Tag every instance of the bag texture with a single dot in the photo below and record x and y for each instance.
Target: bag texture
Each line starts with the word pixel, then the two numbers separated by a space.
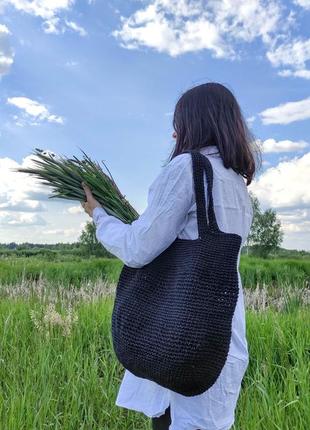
pixel 171 319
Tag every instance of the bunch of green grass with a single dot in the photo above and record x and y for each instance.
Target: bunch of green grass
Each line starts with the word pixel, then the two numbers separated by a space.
pixel 65 176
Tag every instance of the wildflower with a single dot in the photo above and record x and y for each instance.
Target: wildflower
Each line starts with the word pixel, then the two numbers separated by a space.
pixel 51 318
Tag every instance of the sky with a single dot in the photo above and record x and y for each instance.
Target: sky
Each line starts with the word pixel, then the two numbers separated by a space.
pixel 104 76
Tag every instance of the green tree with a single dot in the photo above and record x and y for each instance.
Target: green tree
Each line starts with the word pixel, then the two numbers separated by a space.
pixel 266 234
pixel 89 242
pixel 252 237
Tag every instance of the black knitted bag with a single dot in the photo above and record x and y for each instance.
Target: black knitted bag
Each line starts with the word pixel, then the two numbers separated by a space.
pixel 171 319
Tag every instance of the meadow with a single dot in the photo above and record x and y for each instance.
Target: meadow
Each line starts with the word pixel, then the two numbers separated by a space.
pixel 58 369
pixel 75 270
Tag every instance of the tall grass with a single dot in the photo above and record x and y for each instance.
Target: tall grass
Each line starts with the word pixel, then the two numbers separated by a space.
pixel 254 271
pixel 71 382
pixel 276 390
pixel 274 271
pixel 59 372
pixel 15 270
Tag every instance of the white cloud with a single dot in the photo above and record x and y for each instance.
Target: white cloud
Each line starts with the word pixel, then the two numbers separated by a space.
pixel 285 185
pixel 296 227
pixel 52 25
pixel 285 188
pixel 21 219
pixel 271 145
pixel 50 11
pixel 24 200
pixel 251 119
pixel 33 112
pixel 6 51
pixel 179 26
pixel 75 210
pixel 45 9
pixel 286 113
pixel 176 27
pixel 20 191
pixel 284 158
pixel 75 27
pixel 292 53
pixel 15 203
pixel 296 222
pixel 71 63
pixel 300 73
pixel 295 52
pixel 303 3
pixel 67 232
pixel 20 206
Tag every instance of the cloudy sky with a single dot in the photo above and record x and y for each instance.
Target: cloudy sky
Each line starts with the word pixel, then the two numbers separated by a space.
pixel 104 76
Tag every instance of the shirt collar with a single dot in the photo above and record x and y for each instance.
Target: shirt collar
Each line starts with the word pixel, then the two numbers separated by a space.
pixel 210 149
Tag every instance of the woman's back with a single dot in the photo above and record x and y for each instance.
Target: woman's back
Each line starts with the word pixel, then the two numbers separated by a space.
pixel 233 211
pixel 232 204
pixel 171 212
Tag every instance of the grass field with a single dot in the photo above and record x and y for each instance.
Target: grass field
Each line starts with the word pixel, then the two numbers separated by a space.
pixel 271 272
pixel 58 369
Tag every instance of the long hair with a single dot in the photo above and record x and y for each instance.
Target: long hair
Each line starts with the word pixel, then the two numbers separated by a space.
pixel 209 114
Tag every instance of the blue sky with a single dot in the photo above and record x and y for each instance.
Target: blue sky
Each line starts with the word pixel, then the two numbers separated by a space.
pixel 105 76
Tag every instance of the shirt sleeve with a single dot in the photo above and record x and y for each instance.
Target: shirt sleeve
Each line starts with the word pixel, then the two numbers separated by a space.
pixel 170 197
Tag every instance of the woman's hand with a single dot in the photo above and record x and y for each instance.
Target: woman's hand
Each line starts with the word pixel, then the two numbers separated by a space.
pixel 91 203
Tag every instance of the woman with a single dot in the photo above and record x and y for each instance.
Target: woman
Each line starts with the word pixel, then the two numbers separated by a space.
pixel 207 117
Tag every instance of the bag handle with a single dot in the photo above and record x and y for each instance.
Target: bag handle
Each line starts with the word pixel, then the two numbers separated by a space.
pixel 202 164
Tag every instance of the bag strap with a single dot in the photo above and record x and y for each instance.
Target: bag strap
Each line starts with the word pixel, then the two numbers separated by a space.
pixel 202 164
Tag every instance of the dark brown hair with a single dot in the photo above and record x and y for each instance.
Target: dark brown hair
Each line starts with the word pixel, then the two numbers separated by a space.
pixel 209 114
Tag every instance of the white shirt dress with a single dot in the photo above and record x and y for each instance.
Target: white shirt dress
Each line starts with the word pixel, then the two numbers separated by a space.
pixel 170 213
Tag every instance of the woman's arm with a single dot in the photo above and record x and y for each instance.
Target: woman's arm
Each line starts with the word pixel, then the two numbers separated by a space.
pixel 170 197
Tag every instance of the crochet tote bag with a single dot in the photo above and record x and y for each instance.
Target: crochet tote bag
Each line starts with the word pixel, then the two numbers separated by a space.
pixel 171 319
